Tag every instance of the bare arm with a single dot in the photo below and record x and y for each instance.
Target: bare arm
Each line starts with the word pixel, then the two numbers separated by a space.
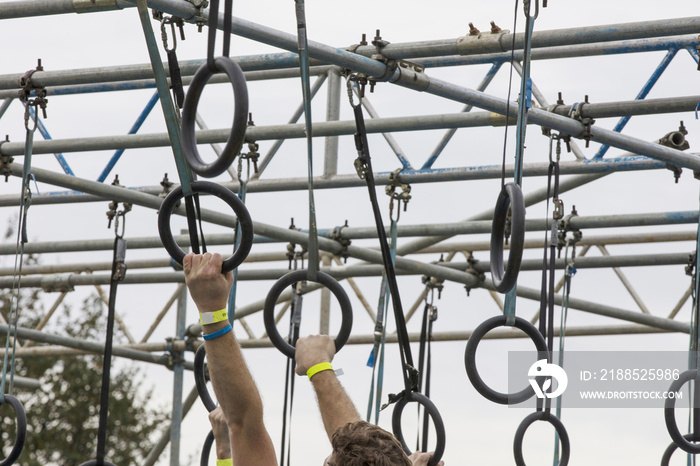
pixel 337 409
pixel 233 384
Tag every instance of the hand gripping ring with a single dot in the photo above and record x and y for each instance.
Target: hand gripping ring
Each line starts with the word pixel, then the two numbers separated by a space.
pixel 434 414
pixel 541 416
pixel 226 195
pixel 672 448
pixel 240 118
pixel 21 430
pixel 298 276
pixel 670 414
pixel 470 359
pixel 206 449
pixel 201 381
pixel 512 196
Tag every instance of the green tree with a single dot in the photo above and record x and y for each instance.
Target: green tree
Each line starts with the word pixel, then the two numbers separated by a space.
pixel 63 414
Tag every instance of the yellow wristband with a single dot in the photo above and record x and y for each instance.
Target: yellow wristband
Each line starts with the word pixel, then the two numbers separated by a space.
pixel 313 370
pixel 226 462
pixel 207 318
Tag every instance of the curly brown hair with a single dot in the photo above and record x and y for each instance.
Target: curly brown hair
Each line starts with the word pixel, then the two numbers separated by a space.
pixel 363 444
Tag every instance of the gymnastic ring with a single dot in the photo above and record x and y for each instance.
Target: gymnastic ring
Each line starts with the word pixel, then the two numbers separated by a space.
pixel 21 430
pixel 206 449
pixel 226 195
pixel 299 276
pixel 672 448
pixel 434 414
pixel 558 426
pixel 200 379
pixel 512 196
pixel 240 117
pixel 670 415
pixel 470 359
pixel 94 463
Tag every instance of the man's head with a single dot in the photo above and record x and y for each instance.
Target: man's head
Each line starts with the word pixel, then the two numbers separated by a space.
pixel 363 444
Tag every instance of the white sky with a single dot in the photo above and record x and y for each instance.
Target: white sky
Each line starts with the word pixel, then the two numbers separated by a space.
pixel 478 432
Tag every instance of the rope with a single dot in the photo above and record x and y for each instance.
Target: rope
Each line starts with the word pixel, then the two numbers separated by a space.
pixel 294 324
pixel 237 239
pixel 302 40
pixel 424 365
pixel 376 357
pixel 569 272
pixel 22 238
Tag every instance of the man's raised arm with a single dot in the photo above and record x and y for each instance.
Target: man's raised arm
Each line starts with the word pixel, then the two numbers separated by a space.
pixel 233 384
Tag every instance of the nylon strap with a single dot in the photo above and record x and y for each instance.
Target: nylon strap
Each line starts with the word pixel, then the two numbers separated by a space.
pixel 364 162
pixel 303 45
pixel 171 122
pixel 118 273
pixel 524 103
pixel 546 321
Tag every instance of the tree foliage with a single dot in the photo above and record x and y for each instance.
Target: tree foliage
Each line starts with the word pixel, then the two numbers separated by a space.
pixel 63 414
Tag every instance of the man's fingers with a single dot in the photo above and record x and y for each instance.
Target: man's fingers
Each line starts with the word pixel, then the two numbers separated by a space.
pixel 187 263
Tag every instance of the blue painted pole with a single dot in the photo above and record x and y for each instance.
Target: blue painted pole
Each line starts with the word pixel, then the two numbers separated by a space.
pixel 134 129
pixel 694 53
pixel 490 74
pixel 642 95
pixel 45 134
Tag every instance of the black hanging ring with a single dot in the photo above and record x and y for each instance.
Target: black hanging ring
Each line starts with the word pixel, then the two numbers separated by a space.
pixel 240 118
pixel 470 359
pixel 432 411
pixel 200 379
pixel 226 195
pixel 21 416
pixel 558 426
pixel 672 448
pixel 298 276
pixel 94 463
pixel 206 449
pixel 512 196
pixel 670 414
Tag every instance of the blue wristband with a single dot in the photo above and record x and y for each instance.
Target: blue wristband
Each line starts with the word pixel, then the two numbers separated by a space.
pixel 218 333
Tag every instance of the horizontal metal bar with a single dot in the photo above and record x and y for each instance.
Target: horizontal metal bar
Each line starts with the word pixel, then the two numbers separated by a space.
pixel 587 240
pixel 368 339
pixel 74 246
pixel 621 164
pixel 568 51
pixel 93 347
pixel 105 83
pixel 284 234
pixel 62 282
pixel 339 128
pixel 603 310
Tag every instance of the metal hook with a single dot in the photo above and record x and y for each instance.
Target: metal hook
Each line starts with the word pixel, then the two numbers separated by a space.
pixel 164 33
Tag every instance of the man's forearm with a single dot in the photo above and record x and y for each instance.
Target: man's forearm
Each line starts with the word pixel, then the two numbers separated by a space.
pixel 337 409
pixel 233 384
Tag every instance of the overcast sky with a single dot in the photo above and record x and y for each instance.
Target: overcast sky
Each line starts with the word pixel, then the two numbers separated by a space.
pixel 479 432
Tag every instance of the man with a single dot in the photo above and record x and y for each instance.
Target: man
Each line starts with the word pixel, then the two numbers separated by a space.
pixel 354 441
